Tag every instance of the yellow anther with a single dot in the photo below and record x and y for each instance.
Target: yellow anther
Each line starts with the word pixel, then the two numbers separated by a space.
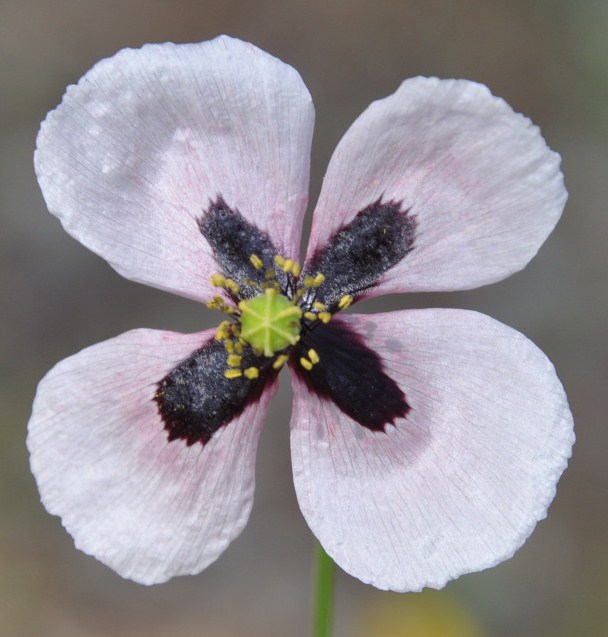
pixel 286 267
pixel 296 269
pixel 314 357
pixel 215 303
pixel 280 361
pixel 269 274
pixel 229 345
pixel 308 281
pixel 306 364
pixel 299 294
pixel 319 306
pixel 324 317
pixel 318 280
pixel 229 284
pixel 279 260
pixel 238 347
pixel 234 360
pixel 252 372
pixel 223 331
pixel 233 373
pixel 311 316
pixel 218 280
pixel 256 262
pixel 345 301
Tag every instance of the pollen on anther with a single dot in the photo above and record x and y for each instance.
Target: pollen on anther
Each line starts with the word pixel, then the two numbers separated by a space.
pixel 325 317
pixel 345 301
pixel 232 286
pixel 280 361
pixel 318 280
pixel 313 356
pixel 296 269
pixel 234 360
pixel 233 373
pixel 252 372
pixel 306 364
pixel 218 280
pixel 279 260
pixel 256 262
pixel 311 316
pixel 223 331
pixel 319 306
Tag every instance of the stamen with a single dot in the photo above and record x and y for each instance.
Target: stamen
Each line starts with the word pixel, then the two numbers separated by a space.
pixel 279 260
pixel 229 284
pixel 224 330
pixel 280 361
pixel 218 280
pixel 233 373
pixel 319 306
pixel 311 316
pixel 229 345
pixel 252 372
pixel 256 262
pixel 324 317
pixel 318 280
pixel 345 301
pixel 314 357
pixel 234 360
pixel 286 267
pixel 306 364
pixel 296 269
pixel 215 303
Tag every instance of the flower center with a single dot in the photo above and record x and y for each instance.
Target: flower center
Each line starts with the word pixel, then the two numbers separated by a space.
pixel 270 322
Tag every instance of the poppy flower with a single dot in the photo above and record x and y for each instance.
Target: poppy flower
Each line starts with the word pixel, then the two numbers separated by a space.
pixel 425 443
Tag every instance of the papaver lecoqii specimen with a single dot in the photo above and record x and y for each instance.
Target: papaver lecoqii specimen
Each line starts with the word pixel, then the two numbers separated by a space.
pixel 425 443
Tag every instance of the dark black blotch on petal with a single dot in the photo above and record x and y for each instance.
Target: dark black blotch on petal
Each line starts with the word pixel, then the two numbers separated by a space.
pixel 360 252
pixel 350 374
pixel 195 399
pixel 233 240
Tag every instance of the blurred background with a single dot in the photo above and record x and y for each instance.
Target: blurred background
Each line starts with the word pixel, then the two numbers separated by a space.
pixel 549 60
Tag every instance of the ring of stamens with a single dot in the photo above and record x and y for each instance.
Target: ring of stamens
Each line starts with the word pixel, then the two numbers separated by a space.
pixel 271 321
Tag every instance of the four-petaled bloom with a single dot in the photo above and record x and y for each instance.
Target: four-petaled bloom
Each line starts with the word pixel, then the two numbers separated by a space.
pixel 425 443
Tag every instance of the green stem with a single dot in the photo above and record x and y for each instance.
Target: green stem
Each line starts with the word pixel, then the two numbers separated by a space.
pixel 324 594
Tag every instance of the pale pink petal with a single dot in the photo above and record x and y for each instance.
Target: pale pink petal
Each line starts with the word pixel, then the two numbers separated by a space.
pixel 138 149
pixel 148 508
pixel 456 486
pixel 483 186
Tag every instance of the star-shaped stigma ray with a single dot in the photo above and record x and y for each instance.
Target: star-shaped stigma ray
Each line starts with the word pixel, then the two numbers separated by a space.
pixel 425 443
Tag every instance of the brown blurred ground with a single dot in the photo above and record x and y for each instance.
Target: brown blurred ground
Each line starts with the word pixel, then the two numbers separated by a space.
pixel 549 59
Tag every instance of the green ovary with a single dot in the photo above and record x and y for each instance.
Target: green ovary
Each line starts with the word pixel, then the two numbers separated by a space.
pixel 270 322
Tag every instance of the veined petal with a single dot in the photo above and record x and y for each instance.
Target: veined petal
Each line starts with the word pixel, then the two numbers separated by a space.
pixel 484 189
pixel 149 138
pixel 459 483
pixel 148 508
